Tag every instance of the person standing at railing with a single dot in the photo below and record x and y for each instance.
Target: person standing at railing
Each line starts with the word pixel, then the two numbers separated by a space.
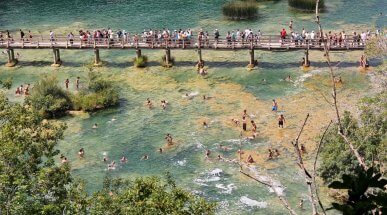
pixel 22 35
pixel 291 25
pixel 70 36
pixel 363 37
pixel 283 35
pixel 312 37
pixel 29 36
pixel 216 35
pixel 52 37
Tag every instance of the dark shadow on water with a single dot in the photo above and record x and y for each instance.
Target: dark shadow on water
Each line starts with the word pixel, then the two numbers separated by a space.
pixel 212 64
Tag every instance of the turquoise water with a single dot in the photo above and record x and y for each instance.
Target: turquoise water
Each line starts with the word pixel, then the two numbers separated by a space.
pixel 138 130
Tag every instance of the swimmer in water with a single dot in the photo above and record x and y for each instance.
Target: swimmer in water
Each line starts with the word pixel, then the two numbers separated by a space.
pixel 124 159
pixel 288 78
pixel 301 203
pixel 149 103
pixel 95 126
pixel 164 104
pixel 250 159
pixel 270 154
pixel 112 165
pixel 64 160
pixel 145 157
pixel 105 158
pixel 263 81
pixel 169 139
pixel 302 148
pixel 205 124
pixel 208 152
pixel 235 121
pixel 220 157
pixel 81 153
pixel 277 154
pixel 161 150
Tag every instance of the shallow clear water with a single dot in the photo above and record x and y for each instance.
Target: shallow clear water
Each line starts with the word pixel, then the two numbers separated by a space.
pixel 138 130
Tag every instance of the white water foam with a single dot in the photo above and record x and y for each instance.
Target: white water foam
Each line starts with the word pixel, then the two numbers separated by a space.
pixel 226 189
pixel 252 203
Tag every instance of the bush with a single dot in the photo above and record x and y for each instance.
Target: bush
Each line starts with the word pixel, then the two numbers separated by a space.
pixel 140 62
pixel 240 9
pixel 49 99
pixel 307 5
pixel 100 94
pixel 7 83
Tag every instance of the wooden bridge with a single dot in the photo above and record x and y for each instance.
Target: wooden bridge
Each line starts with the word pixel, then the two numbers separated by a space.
pixel 264 43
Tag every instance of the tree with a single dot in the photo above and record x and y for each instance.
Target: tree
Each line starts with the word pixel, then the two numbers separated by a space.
pixel 361 200
pixel 49 99
pixel 30 182
pixel 368 134
pixel 146 196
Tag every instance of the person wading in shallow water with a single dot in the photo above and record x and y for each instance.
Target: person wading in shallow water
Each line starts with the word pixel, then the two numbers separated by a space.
pixel 67 83
pixel 281 121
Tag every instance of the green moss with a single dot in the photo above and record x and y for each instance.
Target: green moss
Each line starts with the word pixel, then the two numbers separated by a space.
pixel 307 5
pixel 240 9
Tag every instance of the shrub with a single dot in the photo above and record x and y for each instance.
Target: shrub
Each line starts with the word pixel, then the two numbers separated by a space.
pixel 140 62
pixel 240 9
pixel 307 5
pixel 100 93
pixel 7 83
pixel 49 99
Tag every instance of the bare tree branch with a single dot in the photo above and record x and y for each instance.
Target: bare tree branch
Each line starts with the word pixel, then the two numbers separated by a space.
pixel 314 167
pixel 283 200
pixel 359 158
pixel 307 176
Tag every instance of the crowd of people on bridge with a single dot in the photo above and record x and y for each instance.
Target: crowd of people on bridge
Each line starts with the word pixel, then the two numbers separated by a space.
pixel 203 38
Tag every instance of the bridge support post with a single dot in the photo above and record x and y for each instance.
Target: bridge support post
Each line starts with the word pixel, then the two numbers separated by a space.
pixel 306 62
pixel 12 61
pixel 97 60
pixel 252 62
pixel 167 61
pixel 56 55
pixel 200 63
pixel 138 53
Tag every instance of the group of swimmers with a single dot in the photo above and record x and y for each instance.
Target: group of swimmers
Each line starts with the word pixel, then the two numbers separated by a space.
pixel 23 91
pixel 77 82
pixel 149 103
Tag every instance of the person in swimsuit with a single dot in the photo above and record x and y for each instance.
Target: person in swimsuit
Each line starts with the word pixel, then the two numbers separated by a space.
pixel 275 106
pixel 277 154
pixel 208 152
pixel 145 157
pixel 95 126
pixel 250 159
pixel 281 121
pixel 81 153
pixel 235 121
pixel 302 148
pixel 67 83
pixel 205 125
pixel 244 113
pixel 124 159
pixel 244 124
pixel 164 104
pixel 149 103
pixel 169 139
pixel 77 83
pixel 161 150
pixel 270 154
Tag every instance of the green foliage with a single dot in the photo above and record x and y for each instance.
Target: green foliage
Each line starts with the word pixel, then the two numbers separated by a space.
pixel 48 98
pixel 30 182
pixel 146 196
pixel 99 94
pixel 240 9
pixel 360 199
pixel 376 47
pixel 7 83
pixel 307 5
pixel 140 62
pixel 368 134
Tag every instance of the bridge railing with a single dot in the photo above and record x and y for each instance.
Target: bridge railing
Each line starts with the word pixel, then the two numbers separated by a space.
pixel 264 41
